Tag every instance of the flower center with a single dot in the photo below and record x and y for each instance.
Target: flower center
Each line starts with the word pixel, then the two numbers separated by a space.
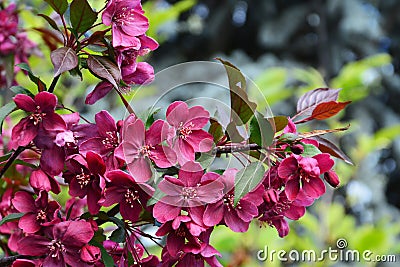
pixel 56 248
pixel 83 179
pixel 124 16
pixel 41 216
pixel 229 201
pixel 180 232
pixel 37 117
pixel 184 131
pixel 146 150
pixel 131 196
pixel 189 193
pixel 110 141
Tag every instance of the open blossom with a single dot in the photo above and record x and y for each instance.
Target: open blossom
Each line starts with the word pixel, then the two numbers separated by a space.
pixel 304 172
pixel 188 136
pixel 61 244
pixel 127 21
pixel 40 180
pixel 106 142
pixel 192 189
pixel 38 212
pixel 237 217
pixel 85 178
pixel 140 147
pixel 123 189
pixel 277 206
pixel 42 116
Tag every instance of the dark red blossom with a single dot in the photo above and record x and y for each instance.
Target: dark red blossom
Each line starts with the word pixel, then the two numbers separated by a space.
pixel 85 178
pixel 131 196
pixel 236 217
pixel 302 172
pixel 39 212
pixel 188 136
pixel 61 244
pixel 42 117
pixel 192 189
pixel 140 147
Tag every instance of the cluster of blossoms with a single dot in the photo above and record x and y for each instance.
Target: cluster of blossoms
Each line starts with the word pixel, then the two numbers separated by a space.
pixel 141 171
pixel 13 42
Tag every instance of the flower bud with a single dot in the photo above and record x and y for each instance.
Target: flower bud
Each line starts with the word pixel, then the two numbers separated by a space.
pixel 297 149
pixel 332 178
pixel 271 196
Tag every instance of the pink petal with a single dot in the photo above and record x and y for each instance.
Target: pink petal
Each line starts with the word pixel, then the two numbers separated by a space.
pixel 53 122
pixel 122 40
pixel 295 212
pixel 177 112
pixel 39 180
pixel 46 101
pixel 105 122
pixel 314 188
pixel 74 233
pixel 171 186
pixel 184 151
pixel 112 195
pixel 95 163
pixel 213 214
pixel 34 245
pixel 136 27
pixel 235 223
pixel 164 212
pixel 163 156
pixel 25 102
pixel 325 162
pixel 23 202
pixel 130 213
pixel 144 74
pixel 28 223
pixel 140 169
pixel 288 167
pixel 191 173
pixel 120 178
pixel 292 188
pixel 156 133
pixel 198 116
pixel 247 211
pixel 52 160
pixel 200 140
pixel 24 132
pixel 134 134
pixel 100 91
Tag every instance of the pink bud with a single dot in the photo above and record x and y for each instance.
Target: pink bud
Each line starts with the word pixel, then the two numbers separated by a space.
pixel 90 254
pixel 332 178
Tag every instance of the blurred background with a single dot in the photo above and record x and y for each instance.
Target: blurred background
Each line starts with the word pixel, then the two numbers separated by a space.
pixel 287 48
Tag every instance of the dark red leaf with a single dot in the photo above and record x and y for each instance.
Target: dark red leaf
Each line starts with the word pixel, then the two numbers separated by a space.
pixel 327 146
pixel 307 103
pixel 104 68
pixel 59 6
pixel 63 59
pixel 328 109
pixel 82 15
pixel 279 122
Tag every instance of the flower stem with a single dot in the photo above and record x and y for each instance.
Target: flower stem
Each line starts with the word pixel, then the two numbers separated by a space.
pixel 11 160
pixel 231 148
pixel 126 104
pixel 53 84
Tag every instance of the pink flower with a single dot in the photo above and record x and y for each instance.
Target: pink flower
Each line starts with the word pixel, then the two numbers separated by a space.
pixel 298 170
pixel 106 142
pixel 131 196
pixel 188 135
pixel 42 117
pixel 40 180
pixel 277 206
pixel 38 213
pixel 85 178
pixel 140 147
pixel 238 217
pixel 192 189
pixel 127 21
pixel 61 245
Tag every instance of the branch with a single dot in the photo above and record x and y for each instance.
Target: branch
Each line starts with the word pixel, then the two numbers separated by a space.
pixel 231 148
pixel 7 261
pixel 11 160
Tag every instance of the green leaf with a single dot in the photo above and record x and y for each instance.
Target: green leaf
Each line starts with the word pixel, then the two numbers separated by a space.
pixel 51 22
pixel 150 117
pixel 280 122
pixel 117 222
pixel 11 217
pixel 233 133
pixel 158 194
pixel 310 150
pixel 288 137
pixel 59 6
pixel 39 83
pixel 216 130
pixel 21 90
pixel 261 131
pixel 247 179
pixel 82 15
pixel 5 111
pixel 118 235
pixel 99 235
pixel 242 109
pixel 6 156
pixel 107 259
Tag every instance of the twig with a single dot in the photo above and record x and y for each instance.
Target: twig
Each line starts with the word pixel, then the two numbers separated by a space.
pixel 53 84
pixel 231 148
pixel 11 160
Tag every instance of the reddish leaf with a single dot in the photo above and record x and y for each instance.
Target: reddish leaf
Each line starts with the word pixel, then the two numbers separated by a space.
pixel 51 38
pixel 104 68
pixel 327 146
pixel 321 132
pixel 216 130
pixel 242 109
pixel 59 6
pixel 280 122
pixel 328 109
pixel 307 103
pixel 97 36
pixel 63 59
pixel 82 15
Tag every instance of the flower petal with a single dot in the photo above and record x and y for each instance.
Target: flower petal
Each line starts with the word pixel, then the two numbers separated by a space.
pixel 100 91
pixel 177 113
pixel 25 102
